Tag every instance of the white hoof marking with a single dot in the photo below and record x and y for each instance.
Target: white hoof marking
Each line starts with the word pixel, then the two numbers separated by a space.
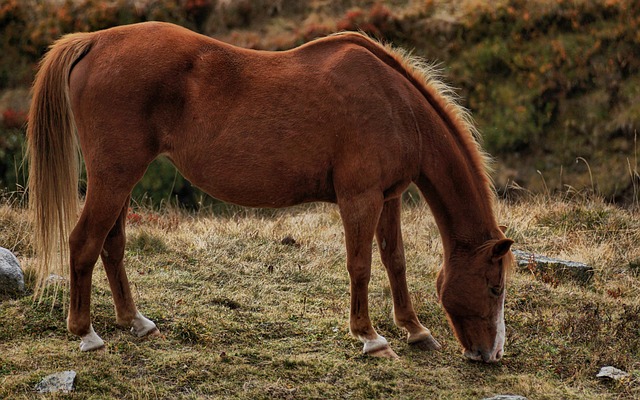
pixel 376 344
pixel 141 326
pixel 91 341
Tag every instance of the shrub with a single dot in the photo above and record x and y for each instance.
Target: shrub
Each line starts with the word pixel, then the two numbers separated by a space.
pixel 313 31
pixel 12 176
pixel 379 21
pixel 13 119
pixel 198 11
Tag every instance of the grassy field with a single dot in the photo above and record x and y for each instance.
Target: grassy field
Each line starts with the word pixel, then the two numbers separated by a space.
pixel 246 316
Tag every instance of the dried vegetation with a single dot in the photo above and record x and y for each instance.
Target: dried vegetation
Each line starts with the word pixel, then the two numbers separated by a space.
pixel 246 314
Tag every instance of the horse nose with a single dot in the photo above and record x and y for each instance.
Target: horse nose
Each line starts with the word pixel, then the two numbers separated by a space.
pixel 491 356
pixel 483 355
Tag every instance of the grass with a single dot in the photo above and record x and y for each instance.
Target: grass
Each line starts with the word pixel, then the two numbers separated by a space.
pixel 246 316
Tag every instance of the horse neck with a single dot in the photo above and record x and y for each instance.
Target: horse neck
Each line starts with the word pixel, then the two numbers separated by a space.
pixel 456 186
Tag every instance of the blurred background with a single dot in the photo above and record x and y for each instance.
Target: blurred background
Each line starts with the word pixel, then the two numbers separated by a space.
pixel 554 86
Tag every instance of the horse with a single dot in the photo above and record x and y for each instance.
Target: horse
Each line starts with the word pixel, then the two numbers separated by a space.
pixel 344 119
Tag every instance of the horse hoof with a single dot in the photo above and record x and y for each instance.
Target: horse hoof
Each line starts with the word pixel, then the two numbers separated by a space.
pixel 91 341
pixel 426 342
pixel 153 334
pixel 384 352
pixel 142 326
pixel 92 347
pixel 379 347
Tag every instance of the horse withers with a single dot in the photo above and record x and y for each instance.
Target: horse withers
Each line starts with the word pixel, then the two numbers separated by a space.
pixel 341 119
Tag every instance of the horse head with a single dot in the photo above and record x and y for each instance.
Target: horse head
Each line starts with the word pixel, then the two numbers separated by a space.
pixel 471 288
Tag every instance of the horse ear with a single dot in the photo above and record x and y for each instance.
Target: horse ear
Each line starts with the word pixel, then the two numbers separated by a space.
pixel 500 248
pixel 503 228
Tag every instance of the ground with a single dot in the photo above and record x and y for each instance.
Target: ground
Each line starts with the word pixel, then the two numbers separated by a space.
pixel 245 316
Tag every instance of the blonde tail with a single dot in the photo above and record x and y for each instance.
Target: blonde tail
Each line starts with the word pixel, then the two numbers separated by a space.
pixel 53 157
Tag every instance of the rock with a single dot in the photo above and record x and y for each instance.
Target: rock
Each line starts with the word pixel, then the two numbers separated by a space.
pixel 11 276
pixel 58 382
pixel 612 373
pixel 561 270
pixel 506 397
pixel 54 279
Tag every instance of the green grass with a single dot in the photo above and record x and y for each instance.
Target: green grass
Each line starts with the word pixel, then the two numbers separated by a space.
pixel 245 316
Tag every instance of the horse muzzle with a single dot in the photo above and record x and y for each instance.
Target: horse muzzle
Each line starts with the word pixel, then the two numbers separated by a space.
pixel 488 357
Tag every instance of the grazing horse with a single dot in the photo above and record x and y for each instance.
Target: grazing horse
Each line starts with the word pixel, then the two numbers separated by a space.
pixel 341 119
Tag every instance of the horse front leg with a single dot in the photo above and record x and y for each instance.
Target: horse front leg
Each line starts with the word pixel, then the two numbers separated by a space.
pixel 359 217
pixel 113 260
pixel 389 238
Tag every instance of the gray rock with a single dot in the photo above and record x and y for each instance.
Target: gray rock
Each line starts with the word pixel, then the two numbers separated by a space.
pixel 58 382
pixel 506 397
pixel 612 373
pixel 54 279
pixel 11 276
pixel 560 269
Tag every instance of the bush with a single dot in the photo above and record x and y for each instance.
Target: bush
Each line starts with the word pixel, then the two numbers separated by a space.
pixel 524 61
pixel 546 80
pixel 378 21
pixel 162 183
pixel 12 174
pixel 29 27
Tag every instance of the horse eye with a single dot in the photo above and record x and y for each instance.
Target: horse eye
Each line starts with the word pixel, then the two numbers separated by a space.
pixel 496 290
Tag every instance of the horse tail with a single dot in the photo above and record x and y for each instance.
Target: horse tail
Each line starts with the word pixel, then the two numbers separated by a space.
pixel 53 156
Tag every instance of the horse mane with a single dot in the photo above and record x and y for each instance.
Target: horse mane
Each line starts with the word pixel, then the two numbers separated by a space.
pixel 428 78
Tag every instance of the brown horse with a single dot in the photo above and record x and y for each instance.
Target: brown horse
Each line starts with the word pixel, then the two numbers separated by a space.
pixel 341 119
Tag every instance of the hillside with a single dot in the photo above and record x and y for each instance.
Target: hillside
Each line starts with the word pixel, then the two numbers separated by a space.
pixel 246 316
pixel 553 85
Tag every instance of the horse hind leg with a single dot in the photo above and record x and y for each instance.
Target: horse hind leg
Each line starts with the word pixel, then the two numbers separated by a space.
pixel 389 238
pixel 112 255
pixel 359 217
pixel 103 207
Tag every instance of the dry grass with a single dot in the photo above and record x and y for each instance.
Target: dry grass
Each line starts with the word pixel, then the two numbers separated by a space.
pixel 245 316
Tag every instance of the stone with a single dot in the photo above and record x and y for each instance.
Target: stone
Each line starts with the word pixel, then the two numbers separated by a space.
pixel 559 269
pixel 506 397
pixel 11 276
pixel 59 382
pixel 612 373
pixel 54 279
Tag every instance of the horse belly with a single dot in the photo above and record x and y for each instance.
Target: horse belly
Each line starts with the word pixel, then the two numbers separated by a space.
pixel 260 181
